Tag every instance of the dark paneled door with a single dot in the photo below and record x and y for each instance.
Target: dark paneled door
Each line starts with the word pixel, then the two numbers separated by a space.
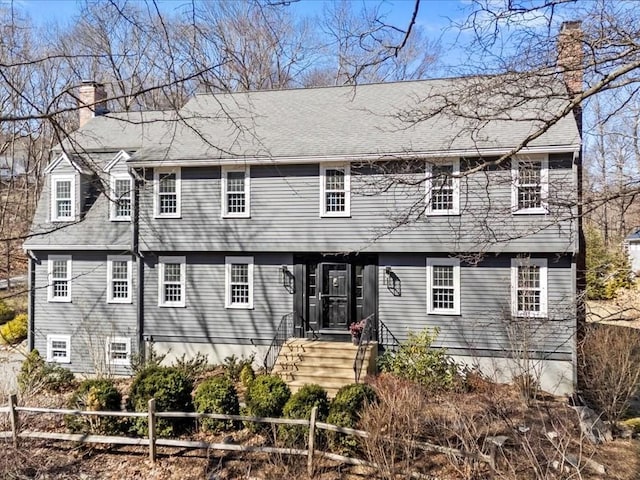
pixel 334 292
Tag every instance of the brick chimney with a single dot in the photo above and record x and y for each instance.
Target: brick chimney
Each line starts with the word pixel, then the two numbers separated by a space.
pixel 92 101
pixel 571 55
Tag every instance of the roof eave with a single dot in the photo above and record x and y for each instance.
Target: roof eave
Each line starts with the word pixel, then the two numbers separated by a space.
pixel 250 160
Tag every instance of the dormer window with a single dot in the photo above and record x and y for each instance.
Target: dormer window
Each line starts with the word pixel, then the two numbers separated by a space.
pixel 121 191
pixel 63 198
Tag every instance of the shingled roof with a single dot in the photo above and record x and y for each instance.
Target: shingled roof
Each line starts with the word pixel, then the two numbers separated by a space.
pixel 428 117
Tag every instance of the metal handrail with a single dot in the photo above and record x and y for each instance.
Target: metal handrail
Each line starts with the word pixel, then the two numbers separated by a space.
pixel 386 339
pixel 283 333
pixel 368 331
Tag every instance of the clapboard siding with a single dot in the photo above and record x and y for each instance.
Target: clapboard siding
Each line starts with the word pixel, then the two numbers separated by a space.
pixel 89 319
pixel 484 325
pixel 205 318
pixel 93 227
pixel 285 215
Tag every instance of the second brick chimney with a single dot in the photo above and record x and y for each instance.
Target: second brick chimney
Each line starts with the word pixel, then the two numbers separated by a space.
pixel 92 101
pixel 571 55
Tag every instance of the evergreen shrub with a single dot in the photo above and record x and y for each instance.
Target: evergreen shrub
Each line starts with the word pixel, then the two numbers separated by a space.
pixel 94 395
pixel 171 388
pixel 217 395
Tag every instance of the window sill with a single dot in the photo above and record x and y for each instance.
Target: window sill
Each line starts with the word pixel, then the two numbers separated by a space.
pixel 167 216
pixel 123 219
pixel 443 213
pixel 128 301
pixel 527 315
pixel 445 313
pixel 236 215
pixel 59 300
pixel 239 307
pixel 531 211
pixel 59 360
pixel 63 220
pixel 335 215
pixel 171 305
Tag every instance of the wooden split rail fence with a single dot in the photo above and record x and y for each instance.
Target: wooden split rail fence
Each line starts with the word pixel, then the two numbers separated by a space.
pixel 152 441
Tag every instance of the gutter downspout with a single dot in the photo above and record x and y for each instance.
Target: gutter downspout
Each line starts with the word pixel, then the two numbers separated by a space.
pixel 135 248
pixel 31 282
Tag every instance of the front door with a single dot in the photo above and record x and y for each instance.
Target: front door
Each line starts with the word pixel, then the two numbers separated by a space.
pixel 334 294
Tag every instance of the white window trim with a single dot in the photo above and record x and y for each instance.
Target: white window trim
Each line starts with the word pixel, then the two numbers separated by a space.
pixel 113 204
pixel 183 275
pixel 520 262
pixel 228 261
pixel 54 210
pixel 58 338
pixel 156 192
pixel 456 189
pixel 247 192
pixel 118 361
pixel 543 159
pixel 50 260
pixel 347 189
pixel 455 263
pixel 119 258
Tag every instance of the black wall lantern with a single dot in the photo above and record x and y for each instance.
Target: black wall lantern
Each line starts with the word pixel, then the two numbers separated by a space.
pixel 287 279
pixel 392 281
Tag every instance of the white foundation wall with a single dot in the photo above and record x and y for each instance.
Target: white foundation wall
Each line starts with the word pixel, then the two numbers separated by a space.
pixel 555 376
pixel 216 353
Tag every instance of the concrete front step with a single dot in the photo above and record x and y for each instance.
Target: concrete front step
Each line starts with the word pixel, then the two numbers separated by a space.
pixel 328 364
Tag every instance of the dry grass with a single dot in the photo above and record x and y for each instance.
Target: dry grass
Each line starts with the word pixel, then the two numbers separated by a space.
pixel 610 368
pixel 463 421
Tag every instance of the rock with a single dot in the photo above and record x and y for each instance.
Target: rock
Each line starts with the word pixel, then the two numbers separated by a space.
pixel 594 429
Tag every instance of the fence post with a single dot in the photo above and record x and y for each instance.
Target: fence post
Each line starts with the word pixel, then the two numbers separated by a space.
pixel 13 414
pixel 312 439
pixel 152 430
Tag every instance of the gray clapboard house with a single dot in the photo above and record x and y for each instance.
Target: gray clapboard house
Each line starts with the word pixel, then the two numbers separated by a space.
pixel 208 229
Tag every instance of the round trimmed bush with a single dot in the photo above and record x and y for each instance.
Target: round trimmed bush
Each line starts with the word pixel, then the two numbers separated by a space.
pixel 217 395
pixel 6 312
pixel 299 406
pixel 247 375
pixel 345 410
pixel 266 397
pixel 94 395
pixel 171 389
pixel 14 331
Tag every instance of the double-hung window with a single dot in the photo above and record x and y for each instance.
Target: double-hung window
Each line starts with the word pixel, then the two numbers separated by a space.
pixel 172 281
pixel 63 198
pixel 530 176
pixel 167 193
pixel 443 286
pixel 236 193
pixel 239 282
pixel 121 191
pixel 529 287
pixel 59 348
pixel 118 351
pixel 59 285
pixel 442 188
pixel 119 276
pixel 335 194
